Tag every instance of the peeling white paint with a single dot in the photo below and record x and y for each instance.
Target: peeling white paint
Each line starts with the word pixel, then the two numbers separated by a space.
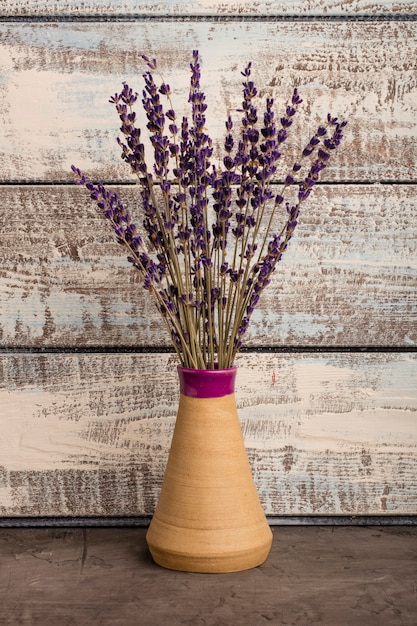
pixel 297 412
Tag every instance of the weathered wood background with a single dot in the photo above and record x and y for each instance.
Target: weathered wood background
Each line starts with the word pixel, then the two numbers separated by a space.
pixel 327 392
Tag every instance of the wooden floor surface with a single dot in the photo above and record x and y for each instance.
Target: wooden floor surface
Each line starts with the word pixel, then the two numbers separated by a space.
pixel 333 576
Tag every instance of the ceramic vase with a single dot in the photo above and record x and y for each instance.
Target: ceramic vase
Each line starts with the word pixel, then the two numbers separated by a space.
pixel 208 517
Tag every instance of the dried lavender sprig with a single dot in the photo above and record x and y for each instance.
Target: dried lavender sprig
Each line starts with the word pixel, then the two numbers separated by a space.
pixel 155 226
pixel 201 152
pixel 194 148
pixel 155 125
pixel 246 160
pixel 305 187
pixel 127 235
pixel 159 220
pixel 263 269
pixel 260 194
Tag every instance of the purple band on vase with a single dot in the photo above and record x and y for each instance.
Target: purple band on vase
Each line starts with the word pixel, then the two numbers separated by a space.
pixel 206 383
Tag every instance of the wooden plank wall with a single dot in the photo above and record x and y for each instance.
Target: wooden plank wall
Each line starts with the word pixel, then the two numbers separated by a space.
pixel 327 389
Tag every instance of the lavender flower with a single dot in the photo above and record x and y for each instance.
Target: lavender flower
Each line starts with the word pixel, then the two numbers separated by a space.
pixel 210 235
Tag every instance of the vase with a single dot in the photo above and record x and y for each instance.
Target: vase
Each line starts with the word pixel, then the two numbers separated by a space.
pixel 209 517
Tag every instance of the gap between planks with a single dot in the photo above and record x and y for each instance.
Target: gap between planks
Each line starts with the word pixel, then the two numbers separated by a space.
pixel 194 17
pixel 143 522
pixel 5 350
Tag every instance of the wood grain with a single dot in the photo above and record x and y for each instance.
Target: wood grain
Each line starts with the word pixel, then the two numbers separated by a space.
pixel 238 8
pixel 326 433
pixel 57 79
pixel 105 577
pixel 349 277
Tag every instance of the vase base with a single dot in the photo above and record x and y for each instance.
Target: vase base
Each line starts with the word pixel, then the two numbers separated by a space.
pixel 208 557
pixel 210 565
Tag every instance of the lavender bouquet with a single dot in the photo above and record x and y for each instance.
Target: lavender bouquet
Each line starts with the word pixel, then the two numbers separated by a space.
pixel 210 237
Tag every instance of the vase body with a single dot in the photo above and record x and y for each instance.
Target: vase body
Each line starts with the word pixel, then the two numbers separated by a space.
pixel 209 517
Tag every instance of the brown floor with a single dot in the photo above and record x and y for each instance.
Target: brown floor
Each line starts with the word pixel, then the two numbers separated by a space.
pixel 336 576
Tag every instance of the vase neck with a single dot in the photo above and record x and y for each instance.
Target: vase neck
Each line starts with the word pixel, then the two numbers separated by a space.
pixel 216 383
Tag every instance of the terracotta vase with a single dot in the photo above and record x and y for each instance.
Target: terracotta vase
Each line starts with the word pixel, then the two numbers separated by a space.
pixel 209 517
